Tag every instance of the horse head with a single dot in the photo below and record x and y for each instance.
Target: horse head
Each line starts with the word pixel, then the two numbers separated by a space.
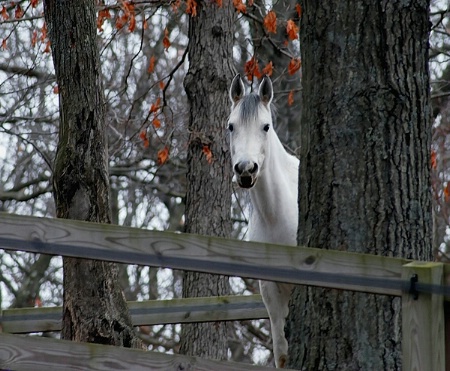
pixel 249 125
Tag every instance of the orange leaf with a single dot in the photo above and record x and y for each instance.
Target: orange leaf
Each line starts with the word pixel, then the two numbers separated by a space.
pixel 121 21
pixel 268 69
pixel 251 69
pixel 298 8
pixel 43 32
pixel 34 38
pixel 156 123
pixel 166 41
pixel 4 47
pixel 102 15
pixel 155 106
pixel 34 3
pixel 144 24
pixel 239 5
pixel 162 84
pixel 207 151
pixel 294 65
pixel 291 98
pixel 270 22
pixel 163 155
pixel 433 160
pixel 47 47
pixel 132 25
pixel 143 136
pixel 151 66
pixel 191 7
pixel 219 3
pixel 4 13
pixel 447 192
pixel 292 30
pixel 56 89
pixel 18 13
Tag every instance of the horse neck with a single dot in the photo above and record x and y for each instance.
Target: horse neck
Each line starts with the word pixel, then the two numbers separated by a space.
pixel 276 188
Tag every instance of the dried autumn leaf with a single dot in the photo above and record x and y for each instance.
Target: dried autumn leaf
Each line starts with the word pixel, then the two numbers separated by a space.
pixel 298 8
pixel 219 3
pixel 121 21
pixel 270 22
pixel 145 24
pixel 34 3
pixel 155 106
pixel 102 15
pixel 163 155
pixel 191 7
pixel 294 65
pixel 4 47
pixel 166 41
pixel 268 69
pixel 43 32
pixel 292 30
pixel 291 98
pixel 151 65
pixel 156 123
pixel 34 38
pixel 144 138
pixel 18 12
pixel 162 85
pixel 4 13
pixel 251 69
pixel 239 6
pixel 47 47
pixel 433 160
pixel 447 192
pixel 207 152
pixel 132 24
pixel 56 89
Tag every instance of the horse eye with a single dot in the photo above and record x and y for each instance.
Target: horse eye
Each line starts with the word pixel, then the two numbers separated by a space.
pixel 230 127
pixel 266 127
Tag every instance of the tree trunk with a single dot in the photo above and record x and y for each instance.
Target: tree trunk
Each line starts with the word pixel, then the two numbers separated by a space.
pixel 208 197
pixel 94 306
pixel 364 174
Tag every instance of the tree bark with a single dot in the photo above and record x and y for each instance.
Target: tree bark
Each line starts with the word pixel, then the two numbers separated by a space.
pixel 94 306
pixel 208 197
pixel 364 174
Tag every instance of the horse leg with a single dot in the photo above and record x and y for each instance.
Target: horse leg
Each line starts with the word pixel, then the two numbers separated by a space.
pixel 276 299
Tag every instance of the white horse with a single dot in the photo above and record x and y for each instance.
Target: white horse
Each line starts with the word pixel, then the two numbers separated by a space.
pixel 262 165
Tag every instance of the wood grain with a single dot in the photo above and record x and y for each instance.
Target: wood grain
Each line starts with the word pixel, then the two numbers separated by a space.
pixel 423 342
pixel 23 353
pixel 300 265
pixel 150 312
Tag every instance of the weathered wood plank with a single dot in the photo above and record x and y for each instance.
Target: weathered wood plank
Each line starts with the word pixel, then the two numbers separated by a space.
pixel 300 265
pixel 23 353
pixel 423 342
pixel 150 312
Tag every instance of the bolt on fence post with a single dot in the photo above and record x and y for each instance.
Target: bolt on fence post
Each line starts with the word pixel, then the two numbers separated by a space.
pixel 423 342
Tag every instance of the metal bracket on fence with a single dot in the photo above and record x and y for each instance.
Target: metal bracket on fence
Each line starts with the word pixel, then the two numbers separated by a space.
pixel 413 286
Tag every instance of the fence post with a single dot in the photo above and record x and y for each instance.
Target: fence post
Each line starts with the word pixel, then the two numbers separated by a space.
pixel 423 343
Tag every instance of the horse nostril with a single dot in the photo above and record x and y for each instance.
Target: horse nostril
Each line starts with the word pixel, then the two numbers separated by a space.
pixel 254 169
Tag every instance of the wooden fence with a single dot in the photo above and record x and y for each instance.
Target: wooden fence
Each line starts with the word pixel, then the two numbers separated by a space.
pixel 423 318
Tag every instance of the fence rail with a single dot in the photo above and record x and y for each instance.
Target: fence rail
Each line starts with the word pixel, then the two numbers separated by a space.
pixel 423 319
pixel 149 312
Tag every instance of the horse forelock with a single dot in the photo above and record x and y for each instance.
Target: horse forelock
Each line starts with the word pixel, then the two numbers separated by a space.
pixel 249 107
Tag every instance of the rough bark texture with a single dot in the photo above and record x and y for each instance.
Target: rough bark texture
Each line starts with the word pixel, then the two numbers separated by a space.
pixel 364 174
pixel 94 307
pixel 208 198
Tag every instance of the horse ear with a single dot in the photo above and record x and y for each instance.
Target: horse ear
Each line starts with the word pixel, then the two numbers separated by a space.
pixel 266 90
pixel 237 89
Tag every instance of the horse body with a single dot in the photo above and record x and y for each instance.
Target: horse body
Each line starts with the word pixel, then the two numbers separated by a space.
pixel 262 165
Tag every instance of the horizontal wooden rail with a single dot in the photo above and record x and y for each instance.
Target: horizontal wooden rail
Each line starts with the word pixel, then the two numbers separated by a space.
pixel 299 265
pixel 150 312
pixel 36 353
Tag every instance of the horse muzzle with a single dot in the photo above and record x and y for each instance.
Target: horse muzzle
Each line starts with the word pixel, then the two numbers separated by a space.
pixel 246 173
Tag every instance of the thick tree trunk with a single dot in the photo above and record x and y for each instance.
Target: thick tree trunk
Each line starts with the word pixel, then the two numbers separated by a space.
pixel 208 197
pixel 94 306
pixel 364 174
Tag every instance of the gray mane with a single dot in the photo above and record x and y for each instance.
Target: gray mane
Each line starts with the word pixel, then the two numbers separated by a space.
pixel 249 107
